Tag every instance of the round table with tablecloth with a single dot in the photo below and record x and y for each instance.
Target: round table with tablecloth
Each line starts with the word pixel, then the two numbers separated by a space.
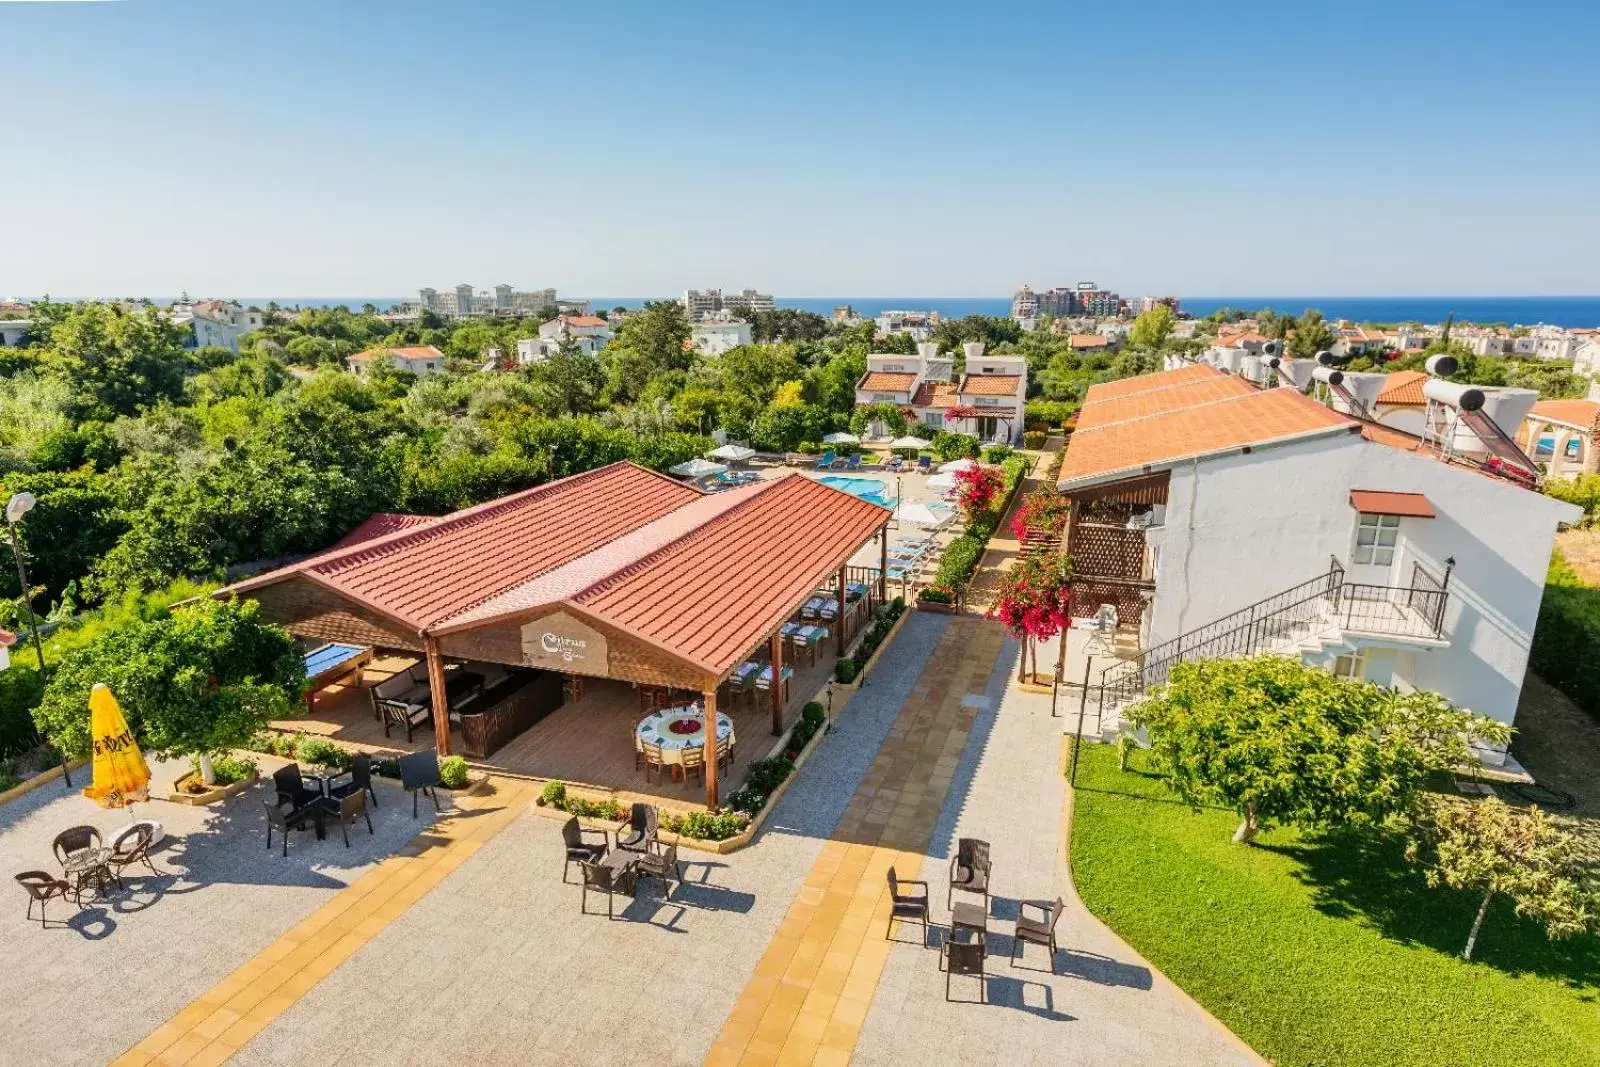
pixel 675 729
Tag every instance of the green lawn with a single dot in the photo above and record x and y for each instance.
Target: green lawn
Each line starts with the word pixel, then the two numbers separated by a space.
pixel 1324 949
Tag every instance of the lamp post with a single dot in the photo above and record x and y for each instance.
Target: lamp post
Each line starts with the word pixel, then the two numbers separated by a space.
pixel 19 505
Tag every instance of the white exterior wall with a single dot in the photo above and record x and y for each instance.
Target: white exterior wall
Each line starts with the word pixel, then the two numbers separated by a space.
pixel 1250 526
pixel 714 339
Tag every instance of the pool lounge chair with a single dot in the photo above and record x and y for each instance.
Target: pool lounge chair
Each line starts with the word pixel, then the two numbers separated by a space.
pixel 893 463
pixel 854 462
pixel 827 461
pixel 924 464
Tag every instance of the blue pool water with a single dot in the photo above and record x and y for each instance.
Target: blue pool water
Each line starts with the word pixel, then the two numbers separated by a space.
pixel 870 489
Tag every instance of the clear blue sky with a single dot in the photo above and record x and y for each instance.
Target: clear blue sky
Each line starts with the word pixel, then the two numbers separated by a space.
pixel 354 148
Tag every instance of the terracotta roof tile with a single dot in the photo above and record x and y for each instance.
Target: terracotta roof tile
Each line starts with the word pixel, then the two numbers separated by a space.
pixel 1403 387
pixel 1584 413
pixel 1159 380
pixel 404 352
pixel 1381 502
pixel 934 395
pixel 711 595
pixel 881 381
pixel 990 384
pixel 1086 340
pixel 1249 419
pixel 381 524
pixel 1187 393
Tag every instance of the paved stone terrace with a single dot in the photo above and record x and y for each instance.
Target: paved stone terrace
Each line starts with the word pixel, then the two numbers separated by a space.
pixel 82 992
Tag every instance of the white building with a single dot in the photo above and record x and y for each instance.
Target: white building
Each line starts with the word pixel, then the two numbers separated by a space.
pixel 12 331
pixel 1585 358
pixel 703 303
pixel 920 385
pixel 1251 519
pixel 463 302
pixel 589 332
pixel 987 402
pixel 416 359
pixel 217 323
pixel 1025 307
pixel 713 338
pixel 919 324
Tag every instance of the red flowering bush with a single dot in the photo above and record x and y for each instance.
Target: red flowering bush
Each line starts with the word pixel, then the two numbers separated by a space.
pixel 1034 602
pixel 977 487
pixel 1044 512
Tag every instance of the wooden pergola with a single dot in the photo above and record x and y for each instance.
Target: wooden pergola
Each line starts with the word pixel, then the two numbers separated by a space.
pixel 678 599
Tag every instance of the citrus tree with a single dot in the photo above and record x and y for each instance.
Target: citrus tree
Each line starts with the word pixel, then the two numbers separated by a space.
pixel 1491 848
pixel 1278 741
pixel 196 681
pixel 1033 602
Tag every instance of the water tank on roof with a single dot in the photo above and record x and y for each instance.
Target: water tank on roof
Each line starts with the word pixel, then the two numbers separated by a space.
pixel 1463 397
pixel 1442 366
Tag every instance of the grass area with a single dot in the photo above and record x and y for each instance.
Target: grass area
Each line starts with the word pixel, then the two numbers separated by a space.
pixel 1324 949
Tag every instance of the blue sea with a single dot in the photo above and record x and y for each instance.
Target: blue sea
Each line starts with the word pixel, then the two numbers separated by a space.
pixel 1513 310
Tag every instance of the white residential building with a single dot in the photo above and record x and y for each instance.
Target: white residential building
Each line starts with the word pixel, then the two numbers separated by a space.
pixel 218 323
pixel 589 332
pixel 416 359
pixel 713 337
pixel 1585 358
pixel 12 331
pixel 919 324
pixel 987 402
pixel 920 385
pixel 699 304
pixel 1253 519
pixel 463 302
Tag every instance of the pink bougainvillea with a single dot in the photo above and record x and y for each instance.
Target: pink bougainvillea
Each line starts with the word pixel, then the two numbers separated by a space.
pixel 1044 512
pixel 1034 602
pixel 977 487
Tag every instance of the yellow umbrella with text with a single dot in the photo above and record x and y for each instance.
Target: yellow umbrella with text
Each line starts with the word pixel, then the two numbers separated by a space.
pixel 121 775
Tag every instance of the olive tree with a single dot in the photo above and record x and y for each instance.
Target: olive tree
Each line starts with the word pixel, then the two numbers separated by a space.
pixel 198 680
pixel 1281 742
pixel 1491 848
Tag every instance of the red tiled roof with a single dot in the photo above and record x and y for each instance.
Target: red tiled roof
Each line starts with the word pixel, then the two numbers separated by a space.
pixel 1403 387
pixel 711 595
pixel 1581 413
pixel 379 524
pixel 583 320
pixel 428 574
pixel 1086 340
pixel 404 352
pixel 880 381
pixel 1146 382
pixel 934 395
pixel 1185 393
pixel 990 384
pixel 1255 418
pixel 1379 502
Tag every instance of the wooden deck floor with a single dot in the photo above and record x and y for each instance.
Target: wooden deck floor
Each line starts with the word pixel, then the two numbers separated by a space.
pixel 588 743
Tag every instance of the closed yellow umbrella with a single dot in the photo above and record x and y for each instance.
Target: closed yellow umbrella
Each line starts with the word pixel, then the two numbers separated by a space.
pixel 120 772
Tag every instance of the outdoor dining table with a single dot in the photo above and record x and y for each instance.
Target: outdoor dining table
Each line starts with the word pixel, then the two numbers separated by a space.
pixel 856 590
pixel 808 636
pixel 820 607
pixel 86 866
pixel 676 729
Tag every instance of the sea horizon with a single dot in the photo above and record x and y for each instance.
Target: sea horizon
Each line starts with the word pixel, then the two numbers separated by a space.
pixel 1554 310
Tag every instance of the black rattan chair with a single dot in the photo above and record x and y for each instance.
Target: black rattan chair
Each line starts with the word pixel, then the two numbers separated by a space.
pixel 907 907
pixel 969 870
pixel 598 878
pixel 1037 931
pixel 359 780
pixel 42 887
pixel 292 790
pixel 347 809
pixel 967 959
pixel 579 850
pixel 131 846
pixel 419 773
pixel 640 829
pixel 284 819
pixel 663 864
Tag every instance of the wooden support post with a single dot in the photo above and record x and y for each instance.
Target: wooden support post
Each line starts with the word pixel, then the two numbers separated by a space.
pixel 883 564
pixel 777 682
pixel 441 703
pixel 843 634
pixel 710 698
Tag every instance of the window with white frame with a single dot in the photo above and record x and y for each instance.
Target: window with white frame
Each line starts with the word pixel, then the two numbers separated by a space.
pixel 1376 536
pixel 1350 666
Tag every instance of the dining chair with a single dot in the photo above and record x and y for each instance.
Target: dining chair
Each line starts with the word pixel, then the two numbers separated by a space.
pixel 694 762
pixel 653 760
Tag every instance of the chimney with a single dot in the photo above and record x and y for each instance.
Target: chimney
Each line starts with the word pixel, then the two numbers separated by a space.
pixel 973 349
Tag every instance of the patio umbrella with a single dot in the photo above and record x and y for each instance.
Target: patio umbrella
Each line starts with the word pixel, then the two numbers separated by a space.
pixel 731 452
pixel 121 775
pixel 841 439
pixel 698 468
pixel 920 515
pixel 942 483
pixel 962 464
pixel 909 442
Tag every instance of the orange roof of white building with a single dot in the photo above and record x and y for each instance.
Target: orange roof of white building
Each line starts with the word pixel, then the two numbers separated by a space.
pixel 880 381
pixel 1086 340
pixel 990 384
pixel 583 320
pixel 403 351
pixel 1584 414
pixel 1403 387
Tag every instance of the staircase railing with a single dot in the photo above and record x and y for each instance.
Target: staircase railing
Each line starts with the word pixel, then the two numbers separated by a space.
pixel 1241 633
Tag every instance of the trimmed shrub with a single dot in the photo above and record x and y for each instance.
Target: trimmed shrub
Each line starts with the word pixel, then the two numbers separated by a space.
pixel 1049 412
pixel 937 594
pixel 998 453
pixel 453 772
pixel 1568 633
pixel 322 753
pixel 1033 439
pixel 704 826
pixel 21 689
pixel 844 670
pixel 554 794
pixel 948 446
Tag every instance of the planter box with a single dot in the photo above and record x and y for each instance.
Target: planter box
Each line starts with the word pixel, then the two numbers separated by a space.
pixel 866 668
pixel 210 796
pixel 37 780
pixel 935 607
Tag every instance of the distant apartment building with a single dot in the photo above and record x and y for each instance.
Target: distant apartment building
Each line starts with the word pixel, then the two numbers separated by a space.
pixel 713 337
pixel 1150 303
pixel 420 360
pixel 1086 299
pixel 919 324
pixel 844 314
pixel 703 303
pixel 463 302
pixel 986 402
pixel 1025 306
pixel 215 323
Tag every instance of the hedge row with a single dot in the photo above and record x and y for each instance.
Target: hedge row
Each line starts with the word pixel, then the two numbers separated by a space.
pixel 1567 636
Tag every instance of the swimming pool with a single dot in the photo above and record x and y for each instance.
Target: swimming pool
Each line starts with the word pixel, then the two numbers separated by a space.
pixel 870 489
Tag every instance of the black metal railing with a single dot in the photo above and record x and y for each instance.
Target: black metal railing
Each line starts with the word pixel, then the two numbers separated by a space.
pixel 1416 610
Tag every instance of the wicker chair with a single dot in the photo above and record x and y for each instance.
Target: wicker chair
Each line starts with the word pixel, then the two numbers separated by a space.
pixel 131 846
pixel 284 819
pixel 910 907
pixel 359 780
pixel 663 864
pixel 347 809
pixel 598 878
pixel 579 850
pixel 72 840
pixel 419 773
pixel 1037 931
pixel 652 760
pixel 640 828
pixel 965 958
pixel 969 870
pixel 42 887
pixel 292 788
